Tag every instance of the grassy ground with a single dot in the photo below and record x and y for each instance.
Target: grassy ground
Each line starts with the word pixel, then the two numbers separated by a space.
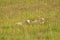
pixel 12 11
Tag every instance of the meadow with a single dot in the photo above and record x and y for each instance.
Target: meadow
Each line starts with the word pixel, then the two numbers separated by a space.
pixel 13 11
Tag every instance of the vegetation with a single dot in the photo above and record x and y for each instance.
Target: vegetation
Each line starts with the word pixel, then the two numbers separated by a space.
pixel 12 11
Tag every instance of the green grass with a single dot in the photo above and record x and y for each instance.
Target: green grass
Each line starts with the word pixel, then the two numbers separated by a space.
pixel 12 11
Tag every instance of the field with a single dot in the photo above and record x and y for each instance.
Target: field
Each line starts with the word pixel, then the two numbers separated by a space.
pixel 13 11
